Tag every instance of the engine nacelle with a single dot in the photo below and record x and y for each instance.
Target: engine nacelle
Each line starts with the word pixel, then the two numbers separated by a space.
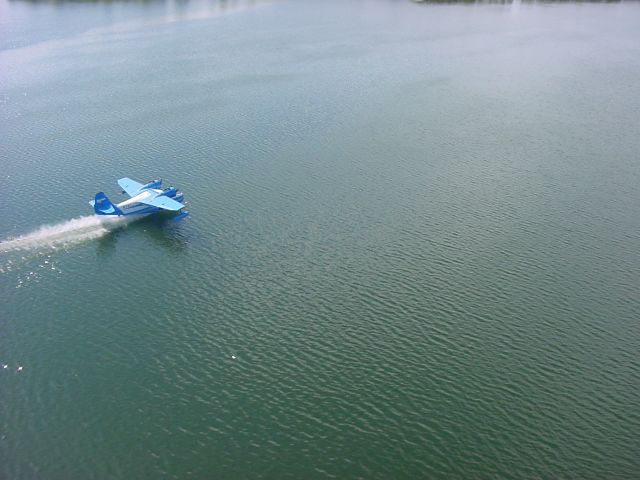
pixel 169 192
pixel 152 184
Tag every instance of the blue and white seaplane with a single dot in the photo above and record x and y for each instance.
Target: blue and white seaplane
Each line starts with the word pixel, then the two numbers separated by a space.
pixel 145 199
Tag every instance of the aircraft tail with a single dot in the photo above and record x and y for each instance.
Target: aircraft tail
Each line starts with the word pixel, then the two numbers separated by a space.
pixel 103 206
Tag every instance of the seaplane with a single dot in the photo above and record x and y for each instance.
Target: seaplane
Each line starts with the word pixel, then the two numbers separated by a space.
pixel 145 198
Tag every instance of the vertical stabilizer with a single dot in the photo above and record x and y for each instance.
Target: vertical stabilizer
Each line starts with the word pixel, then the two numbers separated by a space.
pixel 103 206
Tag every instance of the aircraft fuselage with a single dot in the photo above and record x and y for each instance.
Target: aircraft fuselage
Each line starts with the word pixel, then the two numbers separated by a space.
pixel 134 205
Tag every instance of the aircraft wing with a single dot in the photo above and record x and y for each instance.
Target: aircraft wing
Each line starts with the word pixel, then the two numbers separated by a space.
pixel 130 186
pixel 163 202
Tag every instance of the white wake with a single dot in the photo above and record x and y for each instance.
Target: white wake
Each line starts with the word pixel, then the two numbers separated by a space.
pixel 68 232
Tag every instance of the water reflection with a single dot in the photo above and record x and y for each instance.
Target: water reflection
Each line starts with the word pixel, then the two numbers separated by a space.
pixel 159 230
pixel 218 4
pixel 504 2
pixel 171 10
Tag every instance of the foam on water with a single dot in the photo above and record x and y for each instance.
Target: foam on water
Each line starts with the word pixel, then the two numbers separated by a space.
pixel 68 232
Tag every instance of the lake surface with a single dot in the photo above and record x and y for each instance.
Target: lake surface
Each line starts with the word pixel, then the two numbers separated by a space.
pixel 413 248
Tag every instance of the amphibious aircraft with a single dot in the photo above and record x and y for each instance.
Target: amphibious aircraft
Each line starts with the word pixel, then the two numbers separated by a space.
pixel 147 198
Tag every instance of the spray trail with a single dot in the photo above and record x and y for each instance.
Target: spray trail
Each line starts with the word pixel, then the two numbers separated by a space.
pixel 68 232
